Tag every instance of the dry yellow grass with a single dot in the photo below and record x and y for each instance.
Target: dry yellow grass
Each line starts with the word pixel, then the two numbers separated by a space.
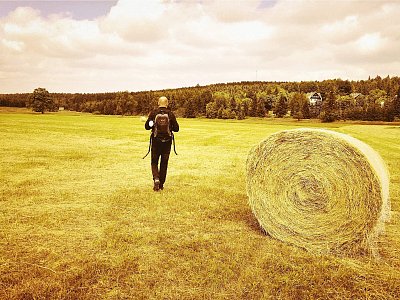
pixel 79 219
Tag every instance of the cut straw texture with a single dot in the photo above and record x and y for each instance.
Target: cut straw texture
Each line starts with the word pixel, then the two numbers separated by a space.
pixel 320 190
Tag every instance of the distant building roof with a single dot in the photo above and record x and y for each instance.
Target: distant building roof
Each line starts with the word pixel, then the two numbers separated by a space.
pixel 315 94
pixel 355 95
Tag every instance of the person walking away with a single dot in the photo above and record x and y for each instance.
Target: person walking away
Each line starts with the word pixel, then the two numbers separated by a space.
pixel 162 122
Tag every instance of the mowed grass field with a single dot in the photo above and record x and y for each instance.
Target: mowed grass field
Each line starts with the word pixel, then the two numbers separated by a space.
pixel 79 219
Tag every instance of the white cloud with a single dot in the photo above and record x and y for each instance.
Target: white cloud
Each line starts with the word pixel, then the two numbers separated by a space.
pixel 342 30
pixel 16 46
pixel 137 22
pixel 161 44
pixel 370 42
pixel 231 11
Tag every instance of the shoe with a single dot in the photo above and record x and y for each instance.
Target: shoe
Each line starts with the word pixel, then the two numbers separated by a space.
pixel 156 185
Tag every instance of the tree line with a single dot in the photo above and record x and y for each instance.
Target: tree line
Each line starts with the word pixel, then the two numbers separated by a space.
pixel 373 99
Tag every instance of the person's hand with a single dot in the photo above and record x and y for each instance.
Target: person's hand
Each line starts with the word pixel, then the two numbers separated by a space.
pixel 151 123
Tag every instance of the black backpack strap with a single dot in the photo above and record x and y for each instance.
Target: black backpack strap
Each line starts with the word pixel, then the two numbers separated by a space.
pixel 150 142
pixel 173 140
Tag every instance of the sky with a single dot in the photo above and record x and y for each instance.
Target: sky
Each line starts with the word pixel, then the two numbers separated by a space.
pixel 131 45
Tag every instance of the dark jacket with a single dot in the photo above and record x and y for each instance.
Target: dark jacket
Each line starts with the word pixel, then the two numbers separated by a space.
pixel 173 124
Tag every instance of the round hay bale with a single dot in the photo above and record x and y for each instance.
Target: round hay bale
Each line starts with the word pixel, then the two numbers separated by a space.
pixel 318 189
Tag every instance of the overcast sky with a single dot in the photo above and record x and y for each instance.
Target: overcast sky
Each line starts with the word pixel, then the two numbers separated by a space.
pixel 100 46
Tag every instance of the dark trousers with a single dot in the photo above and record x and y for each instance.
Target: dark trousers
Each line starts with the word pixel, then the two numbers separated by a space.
pixel 160 149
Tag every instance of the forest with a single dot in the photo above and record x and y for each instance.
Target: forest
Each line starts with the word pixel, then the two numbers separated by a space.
pixel 329 100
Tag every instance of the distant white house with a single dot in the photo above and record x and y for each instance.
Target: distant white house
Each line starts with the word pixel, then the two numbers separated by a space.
pixel 61 108
pixel 315 103
pixel 315 98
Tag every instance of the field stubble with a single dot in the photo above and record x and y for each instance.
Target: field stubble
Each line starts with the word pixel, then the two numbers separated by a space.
pixel 79 219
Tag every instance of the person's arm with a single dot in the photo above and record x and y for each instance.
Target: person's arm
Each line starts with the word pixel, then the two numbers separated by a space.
pixel 150 121
pixel 174 123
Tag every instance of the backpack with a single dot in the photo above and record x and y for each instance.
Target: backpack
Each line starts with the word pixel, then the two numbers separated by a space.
pixel 161 130
pixel 161 126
